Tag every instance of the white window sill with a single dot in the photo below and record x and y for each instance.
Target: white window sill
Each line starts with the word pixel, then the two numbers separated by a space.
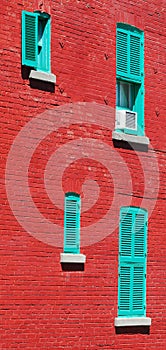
pixel 47 77
pixel 72 258
pixel 120 136
pixel 132 321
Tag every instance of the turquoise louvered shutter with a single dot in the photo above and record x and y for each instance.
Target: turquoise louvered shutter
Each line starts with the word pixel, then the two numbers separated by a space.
pixel 138 307
pixel 29 39
pixel 132 262
pixel 124 290
pixel 72 224
pixel 135 56
pixel 129 55
pixel 122 53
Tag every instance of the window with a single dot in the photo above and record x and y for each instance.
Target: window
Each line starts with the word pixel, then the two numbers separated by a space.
pixel 72 223
pixel 129 80
pixel 125 95
pixel 36 44
pixel 132 262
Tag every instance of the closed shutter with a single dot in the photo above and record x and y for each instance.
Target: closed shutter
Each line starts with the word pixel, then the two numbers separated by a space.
pixel 138 297
pixel 124 306
pixel 135 55
pixel 72 224
pixel 132 262
pixel 122 52
pixel 129 55
pixel 29 39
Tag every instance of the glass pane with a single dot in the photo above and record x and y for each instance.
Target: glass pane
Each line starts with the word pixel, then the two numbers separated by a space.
pixel 125 95
pixel 117 94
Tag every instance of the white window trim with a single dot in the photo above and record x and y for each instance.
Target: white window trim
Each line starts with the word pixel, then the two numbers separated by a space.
pixel 120 136
pixel 39 75
pixel 72 258
pixel 132 321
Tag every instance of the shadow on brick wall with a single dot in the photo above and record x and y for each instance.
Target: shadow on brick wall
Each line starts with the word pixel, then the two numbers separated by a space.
pixel 36 84
pixel 72 267
pixel 133 330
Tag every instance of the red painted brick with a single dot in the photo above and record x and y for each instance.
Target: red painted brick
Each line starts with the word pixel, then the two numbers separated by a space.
pixel 43 307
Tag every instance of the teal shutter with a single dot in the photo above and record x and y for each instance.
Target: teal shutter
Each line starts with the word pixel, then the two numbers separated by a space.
pixel 124 289
pixel 122 53
pixel 135 56
pixel 132 262
pixel 129 55
pixel 72 224
pixel 29 39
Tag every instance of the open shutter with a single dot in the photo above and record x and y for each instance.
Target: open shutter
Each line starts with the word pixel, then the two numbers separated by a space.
pixel 132 262
pixel 72 224
pixel 29 39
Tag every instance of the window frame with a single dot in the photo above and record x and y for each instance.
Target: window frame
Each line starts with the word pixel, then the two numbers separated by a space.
pixel 126 75
pixel 72 217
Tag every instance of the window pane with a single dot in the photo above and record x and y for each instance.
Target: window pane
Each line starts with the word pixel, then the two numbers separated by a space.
pixel 125 95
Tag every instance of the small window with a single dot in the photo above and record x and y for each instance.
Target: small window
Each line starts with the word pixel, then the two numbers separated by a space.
pixel 72 223
pixel 132 262
pixel 36 40
pixel 129 79
pixel 125 95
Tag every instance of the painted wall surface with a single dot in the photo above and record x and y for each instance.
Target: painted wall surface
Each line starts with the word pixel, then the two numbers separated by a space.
pixel 55 141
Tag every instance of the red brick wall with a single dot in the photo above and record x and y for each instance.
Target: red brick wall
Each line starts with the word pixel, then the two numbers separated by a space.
pixel 43 307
